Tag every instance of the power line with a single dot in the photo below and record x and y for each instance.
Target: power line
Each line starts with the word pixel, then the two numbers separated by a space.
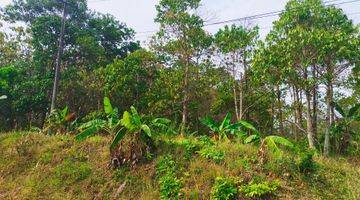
pixel 259 16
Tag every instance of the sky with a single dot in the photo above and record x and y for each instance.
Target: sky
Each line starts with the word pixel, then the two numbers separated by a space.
pixel 140 14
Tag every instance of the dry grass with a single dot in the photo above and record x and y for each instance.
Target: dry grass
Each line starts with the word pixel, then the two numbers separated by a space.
pixel 34 166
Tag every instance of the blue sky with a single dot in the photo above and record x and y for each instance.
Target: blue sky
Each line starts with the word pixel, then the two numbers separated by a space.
pixel 139 14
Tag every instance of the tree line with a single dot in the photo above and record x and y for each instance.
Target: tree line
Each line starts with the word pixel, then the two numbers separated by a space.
pixel 300 82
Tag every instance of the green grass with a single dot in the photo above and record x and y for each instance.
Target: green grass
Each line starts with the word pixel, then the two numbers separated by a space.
pixel 35 166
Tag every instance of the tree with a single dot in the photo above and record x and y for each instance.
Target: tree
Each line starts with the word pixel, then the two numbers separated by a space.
pixel 178 40
pixel 236 45
pixel 91 40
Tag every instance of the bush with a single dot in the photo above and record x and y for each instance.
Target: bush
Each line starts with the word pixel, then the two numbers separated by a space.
pixel 191 146
pixel 258 190
pixel 213 154
pixel 224 189
pixel 307 165
pixel 170 185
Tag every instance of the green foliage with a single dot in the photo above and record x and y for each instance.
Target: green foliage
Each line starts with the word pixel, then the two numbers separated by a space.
pixel 271 142
pixel 170 185
pixel 226 128
pixel 59 122
pixel 258 190
pixel 307 164
pixel 212 153
pixel 342 131
pixel 224 189
pixel 191 146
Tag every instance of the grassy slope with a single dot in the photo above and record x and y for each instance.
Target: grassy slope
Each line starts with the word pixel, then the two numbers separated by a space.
pixel 42 167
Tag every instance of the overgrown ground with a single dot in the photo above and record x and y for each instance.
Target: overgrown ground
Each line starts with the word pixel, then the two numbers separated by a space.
pixel 35 166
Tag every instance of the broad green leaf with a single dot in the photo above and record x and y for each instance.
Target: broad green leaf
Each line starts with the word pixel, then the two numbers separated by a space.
pixel 251 139
pixel 99 123
pixel 248 126
pixel 226 121
pixel 118 137
pixel 210 123
pixel 86 133
pixel 126 121
pixel 108 107
pixel 146 129
pixel 161 121
pixel 64 112
pixel 136 119
pixel 279 140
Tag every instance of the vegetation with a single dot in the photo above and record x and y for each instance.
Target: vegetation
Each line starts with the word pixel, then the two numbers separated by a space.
pixel 285 111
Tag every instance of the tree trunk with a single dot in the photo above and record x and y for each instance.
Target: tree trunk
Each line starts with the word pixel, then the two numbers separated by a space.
pixel 314 102
pixel 309 120
pixel 241 104
pixel 280 112
pixel 235 94
pixel 329 111
pixel 186 98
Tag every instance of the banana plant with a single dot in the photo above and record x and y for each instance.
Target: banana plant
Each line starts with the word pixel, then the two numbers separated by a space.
pixel 271 142
pixel 59 121
pixel 130 123
pixel 342 128
pixel 226 128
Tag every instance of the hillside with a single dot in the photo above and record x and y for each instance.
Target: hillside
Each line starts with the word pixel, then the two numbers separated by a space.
pixel 35 166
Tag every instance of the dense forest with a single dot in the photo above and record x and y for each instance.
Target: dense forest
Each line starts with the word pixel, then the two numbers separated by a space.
pixel 212 116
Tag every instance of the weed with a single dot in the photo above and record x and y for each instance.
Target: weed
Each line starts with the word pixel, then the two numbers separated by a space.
pixel 224 189
pixel 212 153
pixel 258 190
pixel 170 185
pixel 307 165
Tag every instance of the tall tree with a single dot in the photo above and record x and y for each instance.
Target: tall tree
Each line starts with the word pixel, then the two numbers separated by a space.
pixel 236 46
pixel 178 40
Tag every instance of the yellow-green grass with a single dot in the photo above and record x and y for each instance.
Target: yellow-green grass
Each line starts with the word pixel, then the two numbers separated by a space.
pixel 35 166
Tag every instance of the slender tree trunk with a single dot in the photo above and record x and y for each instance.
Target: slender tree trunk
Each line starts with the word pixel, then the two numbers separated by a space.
pixel 58 59
pixel 329 111
pixel 186 97
pixel 314 102
pixel 235 94
pixel 246 87
pixel 296 119
pixel 309 120
pixel 280 112
pixel 241 104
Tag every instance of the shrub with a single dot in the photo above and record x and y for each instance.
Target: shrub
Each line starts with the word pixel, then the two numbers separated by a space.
pixel 205 140
pixel 224 189
pixel 191 146
pixel 213 154
pixel 258 190
pixel 307 164
pixel 170 185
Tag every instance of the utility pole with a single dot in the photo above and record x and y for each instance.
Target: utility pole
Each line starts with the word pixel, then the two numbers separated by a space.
pixel 58 58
